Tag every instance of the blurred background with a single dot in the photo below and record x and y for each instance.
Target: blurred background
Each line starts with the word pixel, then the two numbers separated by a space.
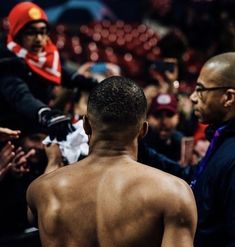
pixel 160 44
pixel 135 33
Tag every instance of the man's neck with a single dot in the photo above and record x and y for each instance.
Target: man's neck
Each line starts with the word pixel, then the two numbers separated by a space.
pixel 110 148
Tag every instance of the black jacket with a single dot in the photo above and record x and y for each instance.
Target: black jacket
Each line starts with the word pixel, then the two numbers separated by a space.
pixel 171 148
pixel 215 193
pixel 151 157
pixel 23 92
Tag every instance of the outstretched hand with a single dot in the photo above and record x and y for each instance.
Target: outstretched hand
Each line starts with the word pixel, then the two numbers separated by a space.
pixel 6 156
pixel 58 124
pixel 7 134
pixel 19 163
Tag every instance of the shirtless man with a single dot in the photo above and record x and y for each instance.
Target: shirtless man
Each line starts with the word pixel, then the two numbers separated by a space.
pixel 108 199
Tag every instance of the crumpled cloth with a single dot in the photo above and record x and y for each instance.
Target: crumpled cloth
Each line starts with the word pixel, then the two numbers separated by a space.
pixel 76 143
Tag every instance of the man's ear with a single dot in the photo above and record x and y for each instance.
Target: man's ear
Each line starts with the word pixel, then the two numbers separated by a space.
pixel 86 125
pixel 230 97
pixel 143 130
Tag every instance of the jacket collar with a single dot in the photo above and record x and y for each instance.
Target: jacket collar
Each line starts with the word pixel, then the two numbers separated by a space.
pixel 228 130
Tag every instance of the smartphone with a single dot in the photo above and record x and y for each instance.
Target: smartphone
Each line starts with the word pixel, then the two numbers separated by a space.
pixel 99 68
pixel 163 66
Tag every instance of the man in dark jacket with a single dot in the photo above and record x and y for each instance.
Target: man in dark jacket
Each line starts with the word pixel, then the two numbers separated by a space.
pixel 214 180
pixel 29 69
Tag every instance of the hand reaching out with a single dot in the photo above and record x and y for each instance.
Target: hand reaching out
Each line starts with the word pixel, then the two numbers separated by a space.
pixel 165 75
pixel 7 134
pixel 172 75
pixel 6 156
pixel 19 163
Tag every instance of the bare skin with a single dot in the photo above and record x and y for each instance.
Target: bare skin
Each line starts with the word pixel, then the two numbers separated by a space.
pixel 108 199
pixel 6 156
pixel 11 159
pixel 7 134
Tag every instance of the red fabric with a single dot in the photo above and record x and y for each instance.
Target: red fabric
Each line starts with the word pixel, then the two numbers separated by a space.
pixel 46 63
pixel 200 132
pixel 22 14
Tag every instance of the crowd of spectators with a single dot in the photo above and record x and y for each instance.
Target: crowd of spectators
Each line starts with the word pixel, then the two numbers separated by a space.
pixel 170 33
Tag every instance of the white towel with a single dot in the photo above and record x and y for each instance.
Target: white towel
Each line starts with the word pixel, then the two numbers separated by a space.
pixel 75 145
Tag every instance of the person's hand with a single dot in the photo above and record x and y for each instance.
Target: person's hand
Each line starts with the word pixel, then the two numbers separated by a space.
pixel 201 147
pixel 54 156
pixel 84 69
pixel 6 156
pixel 172 75
pixel 160 77
pixel 199 151
pixel 150 92
pixel 185 105
pixel 166 78
pixel 7 134
pixel 111 69
pixel 19 162
pixel 58 125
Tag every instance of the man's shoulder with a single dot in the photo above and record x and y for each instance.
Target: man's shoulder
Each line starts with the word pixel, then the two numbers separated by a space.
pixel 48 178
pixel 47 187
pixel 172 195
pixel 161 184
pixel 52 178
pixel 41 183
pixel 149 189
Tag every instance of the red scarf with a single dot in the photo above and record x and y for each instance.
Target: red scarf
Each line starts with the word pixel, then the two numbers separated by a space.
pixel 46 63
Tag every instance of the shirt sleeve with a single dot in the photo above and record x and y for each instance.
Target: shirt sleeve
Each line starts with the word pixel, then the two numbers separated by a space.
pixel 17 94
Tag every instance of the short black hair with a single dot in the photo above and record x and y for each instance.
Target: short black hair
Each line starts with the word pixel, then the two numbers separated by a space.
pixel 117 101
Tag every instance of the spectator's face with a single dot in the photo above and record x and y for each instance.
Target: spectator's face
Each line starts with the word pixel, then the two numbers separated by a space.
pixel 207 98
pixel 35 37
pixel 164 122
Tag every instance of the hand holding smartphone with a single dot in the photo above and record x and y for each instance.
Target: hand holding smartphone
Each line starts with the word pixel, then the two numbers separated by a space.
pixel 99 68
pixel 163 66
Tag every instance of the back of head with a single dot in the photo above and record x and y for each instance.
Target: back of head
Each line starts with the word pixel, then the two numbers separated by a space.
pixel 221 68
pixel 23 14
pixel 117 104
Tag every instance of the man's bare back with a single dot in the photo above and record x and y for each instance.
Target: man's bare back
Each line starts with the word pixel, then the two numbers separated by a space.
pixel 108 199
pixel 112 202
